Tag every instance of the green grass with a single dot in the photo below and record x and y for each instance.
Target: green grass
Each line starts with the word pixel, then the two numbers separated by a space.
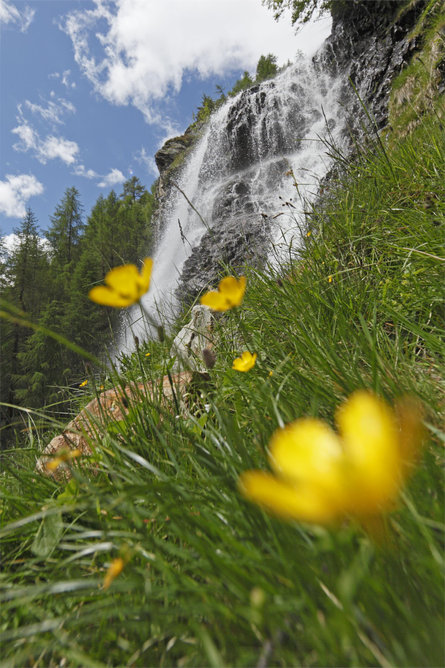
pixel 415 91
pixel 210 579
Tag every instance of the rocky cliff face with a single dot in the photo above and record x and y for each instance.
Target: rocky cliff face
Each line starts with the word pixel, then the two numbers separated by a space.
pixel 234 197
pixel 370 45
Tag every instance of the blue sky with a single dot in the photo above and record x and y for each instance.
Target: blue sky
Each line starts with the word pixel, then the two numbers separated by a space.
pixel 89 90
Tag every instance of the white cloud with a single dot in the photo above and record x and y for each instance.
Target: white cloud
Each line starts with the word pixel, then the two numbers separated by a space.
pixel 51 111
pixel 29 138
pixel 148 46
pixel 64 78
pixel 15 192
pixel 44 149
pixel 10 14
pixel 57 147
pixel 114 177
pixel 80 170
pixel 148 161
pixel 11 241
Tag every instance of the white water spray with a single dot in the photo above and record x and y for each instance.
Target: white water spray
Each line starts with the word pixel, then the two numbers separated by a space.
pixel 262 152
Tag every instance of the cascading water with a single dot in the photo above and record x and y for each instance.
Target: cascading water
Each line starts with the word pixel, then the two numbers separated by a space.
pixel 257 164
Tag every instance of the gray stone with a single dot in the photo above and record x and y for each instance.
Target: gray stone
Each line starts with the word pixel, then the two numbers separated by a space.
pixel 192 339
pixel 169 151
pixel 239 241
pixel 370 45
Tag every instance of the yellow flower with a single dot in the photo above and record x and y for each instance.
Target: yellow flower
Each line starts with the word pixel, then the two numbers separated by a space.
pixel 113 571
pixel 85 382
pixel 322 477
pixel 245 362
pixel 230 293
pixel 124 285
pixel 147 354
pixel 63 457
pixel 329 279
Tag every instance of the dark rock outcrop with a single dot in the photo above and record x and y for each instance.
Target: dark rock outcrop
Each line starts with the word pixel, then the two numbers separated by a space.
pixel 239 241
pixel 170 151
pixel 370 45
pixel 169 160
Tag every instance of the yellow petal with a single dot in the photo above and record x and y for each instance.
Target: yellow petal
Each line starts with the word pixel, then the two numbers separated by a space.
pixel 230 293
pixel 370 440
pixel 305 503
pixel 245 362
pixel 54 463
pixel 124 280
pixel 108 297
pixel 114 570
pixel 215 301
pixel 233 289
pixel 308 450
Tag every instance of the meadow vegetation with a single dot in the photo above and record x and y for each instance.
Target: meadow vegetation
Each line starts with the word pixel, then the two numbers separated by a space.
pixel 151 556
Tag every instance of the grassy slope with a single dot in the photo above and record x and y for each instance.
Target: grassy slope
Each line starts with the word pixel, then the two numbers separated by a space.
pixel 210 579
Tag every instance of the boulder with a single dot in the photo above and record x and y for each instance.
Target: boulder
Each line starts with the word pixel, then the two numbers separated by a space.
pixel 169 151
pixel 109 406
pixel 192 340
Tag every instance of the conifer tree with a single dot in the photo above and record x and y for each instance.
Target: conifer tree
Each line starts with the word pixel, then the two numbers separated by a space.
pixel 134 216
pixel 66 228
pixel 133 189
pixel 44 364
pixel 266 67
pixel 244 82
pixel 24 286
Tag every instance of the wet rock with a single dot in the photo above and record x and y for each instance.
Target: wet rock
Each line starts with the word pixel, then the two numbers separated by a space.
pixel 239 241
pixel 370 45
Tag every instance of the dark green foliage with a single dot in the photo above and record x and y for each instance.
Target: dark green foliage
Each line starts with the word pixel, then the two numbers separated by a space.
pixel 266 68
pixel 43 363
pixel 25 281
pixel 244 82
pixel 207 106
pixel 301 10
pixel 50 286
pixel 66 229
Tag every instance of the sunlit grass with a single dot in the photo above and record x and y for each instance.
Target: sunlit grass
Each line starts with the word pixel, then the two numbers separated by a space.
pixel 154 558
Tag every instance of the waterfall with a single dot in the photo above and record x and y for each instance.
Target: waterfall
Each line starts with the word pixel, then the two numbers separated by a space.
pixel 257 164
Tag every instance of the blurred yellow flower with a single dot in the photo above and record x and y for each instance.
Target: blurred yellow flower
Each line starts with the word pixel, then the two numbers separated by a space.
pixel 245 362
pixel 147 354
pixel 124 285
pixel 322 477
pixel 230 293
pixel 85 382
pixel 63 457
pixel 329 279
pixel 114 569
